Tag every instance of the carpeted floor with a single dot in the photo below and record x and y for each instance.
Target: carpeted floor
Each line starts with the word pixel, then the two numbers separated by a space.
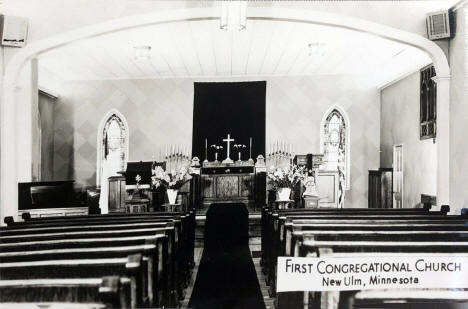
pixel 226 277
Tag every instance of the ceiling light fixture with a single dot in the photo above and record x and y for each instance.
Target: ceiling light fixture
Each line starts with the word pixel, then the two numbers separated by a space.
pixel 142 52
pixel 317 48
pixel 233 15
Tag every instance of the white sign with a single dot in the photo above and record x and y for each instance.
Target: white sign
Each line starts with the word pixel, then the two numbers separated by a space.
pixel 368 273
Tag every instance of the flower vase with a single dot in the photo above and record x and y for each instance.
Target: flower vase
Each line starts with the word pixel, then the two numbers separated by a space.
pixel 283 194
pixel 172 195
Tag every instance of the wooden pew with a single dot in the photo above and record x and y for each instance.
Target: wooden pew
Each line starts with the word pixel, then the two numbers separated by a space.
pixel 269 215
pixel 312 247
pixel 178 249
pixel 181 248
pixel 161 285
pixel 38 233
pixel 132 267
pixel 275 245
pixel 295 233
pixel 185 225
pixel 109 292
pixel 85 240
pixel 414 298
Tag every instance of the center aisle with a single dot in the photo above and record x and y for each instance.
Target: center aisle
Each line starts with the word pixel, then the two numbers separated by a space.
pixel 226 277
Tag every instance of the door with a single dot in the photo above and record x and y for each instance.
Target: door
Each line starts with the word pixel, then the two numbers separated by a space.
pixel 398 176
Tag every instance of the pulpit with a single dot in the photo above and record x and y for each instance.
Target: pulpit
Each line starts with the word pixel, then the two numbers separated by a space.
pixel 136 202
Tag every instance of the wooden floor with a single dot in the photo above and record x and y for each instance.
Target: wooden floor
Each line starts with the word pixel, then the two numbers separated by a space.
pixel 188 292
pixel 269 302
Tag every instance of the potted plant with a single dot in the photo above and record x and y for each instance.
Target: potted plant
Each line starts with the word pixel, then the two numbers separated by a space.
pixel 172 181
pixel 284 179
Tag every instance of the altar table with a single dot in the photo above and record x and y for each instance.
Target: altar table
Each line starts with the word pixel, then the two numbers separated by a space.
pixel 228 182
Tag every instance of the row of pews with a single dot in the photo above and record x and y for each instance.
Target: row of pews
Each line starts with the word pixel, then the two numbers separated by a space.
pixel 361 232
pixel 97 261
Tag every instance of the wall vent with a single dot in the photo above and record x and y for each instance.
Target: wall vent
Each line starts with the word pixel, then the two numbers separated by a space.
pixel 440 25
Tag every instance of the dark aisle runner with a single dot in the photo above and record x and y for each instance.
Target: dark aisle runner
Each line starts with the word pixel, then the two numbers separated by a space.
pixel 226 276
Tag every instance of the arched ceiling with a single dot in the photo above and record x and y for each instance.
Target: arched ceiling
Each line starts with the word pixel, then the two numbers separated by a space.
pixel 199 49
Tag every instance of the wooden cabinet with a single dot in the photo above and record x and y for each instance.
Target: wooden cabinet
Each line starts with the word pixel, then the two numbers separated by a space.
pixel 380 188
pixel 117 194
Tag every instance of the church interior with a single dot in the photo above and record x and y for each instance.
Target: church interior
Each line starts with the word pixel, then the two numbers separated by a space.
pixel 173 154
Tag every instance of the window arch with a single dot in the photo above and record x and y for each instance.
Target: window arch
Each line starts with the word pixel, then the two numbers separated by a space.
pixel 112 144
pixel 334 145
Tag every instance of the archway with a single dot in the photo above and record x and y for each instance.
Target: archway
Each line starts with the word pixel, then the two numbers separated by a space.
pixel 8 108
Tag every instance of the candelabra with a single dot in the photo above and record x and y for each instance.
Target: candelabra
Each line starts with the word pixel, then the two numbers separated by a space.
pixel 280 154
pixel 216 148
pixel 239 148
pixel 177 157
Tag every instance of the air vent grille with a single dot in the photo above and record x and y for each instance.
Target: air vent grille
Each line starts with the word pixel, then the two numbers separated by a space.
pixel 440 25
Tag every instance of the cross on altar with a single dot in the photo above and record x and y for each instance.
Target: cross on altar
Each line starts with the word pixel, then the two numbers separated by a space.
pixel 228 140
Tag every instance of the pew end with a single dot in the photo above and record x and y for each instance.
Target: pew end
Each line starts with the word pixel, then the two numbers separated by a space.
pixel 26 216
pixel 445 209
pixel 112 292
pixel 135 273
pixel 9 220
pixel 464 212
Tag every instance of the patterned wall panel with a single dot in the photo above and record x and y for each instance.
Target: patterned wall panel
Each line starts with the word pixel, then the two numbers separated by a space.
pixel 160 112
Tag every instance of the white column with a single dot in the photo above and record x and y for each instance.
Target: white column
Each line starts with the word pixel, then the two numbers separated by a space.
pixel 443 140
pixel 8 181
pixel 35 122
pixel 16 136
pixel 26 102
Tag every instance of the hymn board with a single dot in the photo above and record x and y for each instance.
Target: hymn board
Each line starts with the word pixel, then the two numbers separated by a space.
pixel 227 180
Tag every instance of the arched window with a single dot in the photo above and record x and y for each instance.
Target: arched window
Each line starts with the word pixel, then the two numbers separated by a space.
pixel 113 145
pixel 335 147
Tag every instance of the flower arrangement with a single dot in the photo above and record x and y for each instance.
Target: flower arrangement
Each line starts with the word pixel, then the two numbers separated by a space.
pixel 287 177
pixel 172 180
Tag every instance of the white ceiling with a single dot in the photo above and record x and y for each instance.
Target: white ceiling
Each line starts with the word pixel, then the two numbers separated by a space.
pixel 199 49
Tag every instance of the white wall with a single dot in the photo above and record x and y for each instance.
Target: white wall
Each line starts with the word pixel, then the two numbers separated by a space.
pixel 459 114
pixel 400 125
pixel 160 112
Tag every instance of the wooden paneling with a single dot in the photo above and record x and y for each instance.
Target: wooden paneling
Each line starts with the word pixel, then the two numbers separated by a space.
pixel 227 187
pixel 246 186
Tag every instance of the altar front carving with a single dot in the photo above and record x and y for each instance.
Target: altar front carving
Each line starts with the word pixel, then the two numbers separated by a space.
pixel 227 182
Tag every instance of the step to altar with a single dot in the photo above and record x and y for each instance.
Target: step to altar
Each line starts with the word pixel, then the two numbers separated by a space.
pixel 254 229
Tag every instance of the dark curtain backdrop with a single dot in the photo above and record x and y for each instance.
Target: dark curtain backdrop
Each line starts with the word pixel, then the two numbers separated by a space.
pixel 234 108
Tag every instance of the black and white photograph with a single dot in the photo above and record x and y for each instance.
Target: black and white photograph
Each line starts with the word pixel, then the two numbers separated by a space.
pixel 233 154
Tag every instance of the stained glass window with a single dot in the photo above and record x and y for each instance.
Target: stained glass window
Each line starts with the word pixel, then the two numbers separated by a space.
pixel 114 145
pixel 334 148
